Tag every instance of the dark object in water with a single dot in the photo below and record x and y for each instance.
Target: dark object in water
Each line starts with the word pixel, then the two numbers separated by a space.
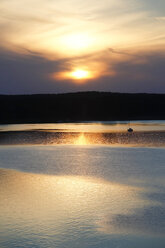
pixel 130 130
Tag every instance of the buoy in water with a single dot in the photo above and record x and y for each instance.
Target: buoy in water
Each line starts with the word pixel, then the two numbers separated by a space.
pixel 130 130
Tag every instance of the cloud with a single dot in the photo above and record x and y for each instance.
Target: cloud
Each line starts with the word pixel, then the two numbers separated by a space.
pixel 119 71
pixel 160 18
pixel 46 29
pixel 25 74
pixel 34 45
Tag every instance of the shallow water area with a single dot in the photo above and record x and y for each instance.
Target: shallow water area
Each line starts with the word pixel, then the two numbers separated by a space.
pixel 82 194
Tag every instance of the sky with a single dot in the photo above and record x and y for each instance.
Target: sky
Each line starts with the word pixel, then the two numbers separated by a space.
pixel 58 46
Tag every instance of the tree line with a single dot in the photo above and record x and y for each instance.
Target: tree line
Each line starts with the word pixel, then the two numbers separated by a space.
pixel 81 106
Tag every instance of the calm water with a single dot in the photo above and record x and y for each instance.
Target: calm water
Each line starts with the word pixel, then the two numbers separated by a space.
pixel 113 126
pixel 82 196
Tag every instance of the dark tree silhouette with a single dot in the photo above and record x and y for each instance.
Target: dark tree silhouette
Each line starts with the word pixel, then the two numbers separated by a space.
pixel 81 106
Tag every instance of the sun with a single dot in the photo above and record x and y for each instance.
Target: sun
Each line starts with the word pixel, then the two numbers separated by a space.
pixel 80 74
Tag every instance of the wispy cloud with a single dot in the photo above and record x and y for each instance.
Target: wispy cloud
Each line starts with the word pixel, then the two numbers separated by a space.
pixel 160 18
pixel 118 71
pixel 43 25
pixel 115 38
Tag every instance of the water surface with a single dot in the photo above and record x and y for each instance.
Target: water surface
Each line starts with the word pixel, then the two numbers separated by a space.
pixel 82 195
pixel 104 126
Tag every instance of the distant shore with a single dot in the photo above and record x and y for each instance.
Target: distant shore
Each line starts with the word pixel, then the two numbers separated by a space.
pixel 81 106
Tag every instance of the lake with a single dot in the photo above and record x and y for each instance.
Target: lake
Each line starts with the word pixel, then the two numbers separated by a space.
pixel 82 185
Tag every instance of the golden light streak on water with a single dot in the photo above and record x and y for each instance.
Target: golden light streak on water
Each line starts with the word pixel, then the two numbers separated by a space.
pixel 81 140
pixel 26 197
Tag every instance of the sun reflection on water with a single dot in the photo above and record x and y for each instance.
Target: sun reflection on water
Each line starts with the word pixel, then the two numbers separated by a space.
pixel 81 140
pixel 53 205
pixel 36 196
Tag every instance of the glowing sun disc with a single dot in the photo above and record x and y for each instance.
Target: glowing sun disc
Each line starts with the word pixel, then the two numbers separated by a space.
pixel 80 74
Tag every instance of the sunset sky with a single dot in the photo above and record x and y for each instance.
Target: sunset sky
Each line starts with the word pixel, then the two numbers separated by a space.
pixel 52 46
